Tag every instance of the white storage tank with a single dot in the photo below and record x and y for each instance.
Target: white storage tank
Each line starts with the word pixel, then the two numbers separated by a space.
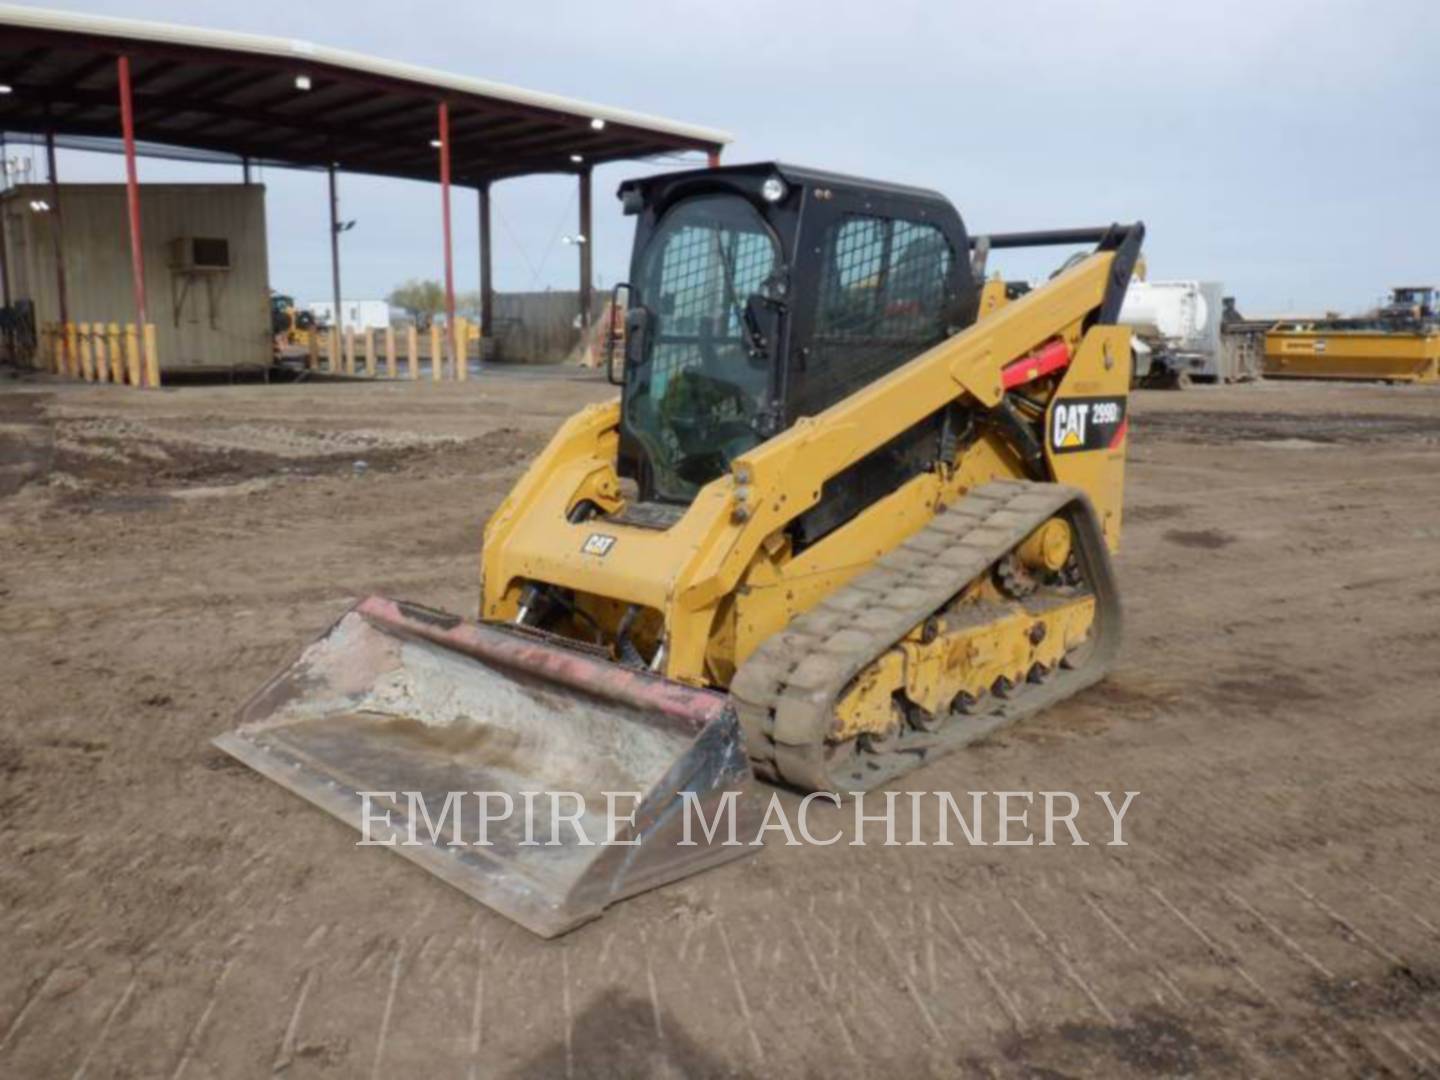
pixel 1168 309
pixel 1177 331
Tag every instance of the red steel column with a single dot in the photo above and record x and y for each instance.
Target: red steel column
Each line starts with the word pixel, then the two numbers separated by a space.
pixel 713 158
pixel 445 217
pixel 132 193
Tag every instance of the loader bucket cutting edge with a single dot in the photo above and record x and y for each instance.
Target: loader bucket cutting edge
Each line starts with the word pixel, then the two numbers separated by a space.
pixel 397 698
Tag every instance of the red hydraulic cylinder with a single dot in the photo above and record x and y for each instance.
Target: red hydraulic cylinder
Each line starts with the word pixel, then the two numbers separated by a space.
pixel 1049 358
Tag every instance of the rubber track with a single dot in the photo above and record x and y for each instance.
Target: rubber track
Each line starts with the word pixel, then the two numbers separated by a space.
pixel 786 692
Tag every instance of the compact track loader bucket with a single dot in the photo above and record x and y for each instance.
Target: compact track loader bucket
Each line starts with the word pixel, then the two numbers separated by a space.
pixel 397 707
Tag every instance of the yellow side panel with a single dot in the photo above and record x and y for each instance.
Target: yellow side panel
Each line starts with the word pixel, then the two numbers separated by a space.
pixel 1352 354
pixel 1087 424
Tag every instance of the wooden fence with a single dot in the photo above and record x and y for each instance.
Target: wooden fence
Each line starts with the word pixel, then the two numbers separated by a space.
pixel 538 327
pixel 123 354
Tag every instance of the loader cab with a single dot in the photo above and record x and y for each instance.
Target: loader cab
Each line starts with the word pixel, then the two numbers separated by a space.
pixel 759 294
pixel 1413 302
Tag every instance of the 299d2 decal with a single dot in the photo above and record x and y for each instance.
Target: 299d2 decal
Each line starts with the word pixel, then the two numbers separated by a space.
pixel 1086 424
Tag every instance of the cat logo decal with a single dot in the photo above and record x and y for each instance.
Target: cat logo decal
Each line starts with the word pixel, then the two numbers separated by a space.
pixel 1086 424
pixel 597 544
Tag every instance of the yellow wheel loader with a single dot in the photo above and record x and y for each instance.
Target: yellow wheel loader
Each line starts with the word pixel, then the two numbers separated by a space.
pixel 836 523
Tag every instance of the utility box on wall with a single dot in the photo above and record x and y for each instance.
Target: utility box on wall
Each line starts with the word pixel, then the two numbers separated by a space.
pixel 207 271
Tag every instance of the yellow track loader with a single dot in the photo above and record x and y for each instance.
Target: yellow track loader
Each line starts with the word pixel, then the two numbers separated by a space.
pixel 836 523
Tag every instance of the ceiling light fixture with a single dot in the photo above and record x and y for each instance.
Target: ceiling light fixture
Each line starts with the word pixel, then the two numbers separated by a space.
pixel 597 124
pixel 302 82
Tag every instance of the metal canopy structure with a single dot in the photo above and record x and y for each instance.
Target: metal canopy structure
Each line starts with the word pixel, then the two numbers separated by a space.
pixel 244 94
pixel 106 83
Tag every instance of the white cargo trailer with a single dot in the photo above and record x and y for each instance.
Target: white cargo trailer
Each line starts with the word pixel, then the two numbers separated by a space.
pixel 357 314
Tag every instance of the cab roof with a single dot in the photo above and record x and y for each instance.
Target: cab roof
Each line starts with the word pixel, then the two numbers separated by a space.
pixel 796 176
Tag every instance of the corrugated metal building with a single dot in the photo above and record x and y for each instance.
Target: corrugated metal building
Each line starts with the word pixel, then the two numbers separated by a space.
pixel 206 265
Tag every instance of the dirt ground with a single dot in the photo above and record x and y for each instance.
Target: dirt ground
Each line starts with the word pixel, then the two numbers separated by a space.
pixel 169 913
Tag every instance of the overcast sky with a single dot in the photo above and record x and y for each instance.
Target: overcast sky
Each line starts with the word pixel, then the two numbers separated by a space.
pixel 1289 148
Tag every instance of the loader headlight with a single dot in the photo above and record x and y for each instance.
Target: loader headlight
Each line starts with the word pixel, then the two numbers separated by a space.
pixel 773 189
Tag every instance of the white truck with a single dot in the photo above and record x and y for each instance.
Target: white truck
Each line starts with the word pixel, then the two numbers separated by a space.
pixel 1178 335
pixel 358 314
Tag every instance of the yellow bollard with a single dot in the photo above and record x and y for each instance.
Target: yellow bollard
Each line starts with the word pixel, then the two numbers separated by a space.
pixel 152 359
pixel 117 358
pixel 95 352
pixel 390 352
pixel 369 352
pixel 312 359
pixel 332 351
pixel 437 353
pixel 72 352
pixel 462 349
pixel 413 341
pixel 97 347
pixel 82 335
pixel 132 353
pixel 349 350
pixel 102 352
